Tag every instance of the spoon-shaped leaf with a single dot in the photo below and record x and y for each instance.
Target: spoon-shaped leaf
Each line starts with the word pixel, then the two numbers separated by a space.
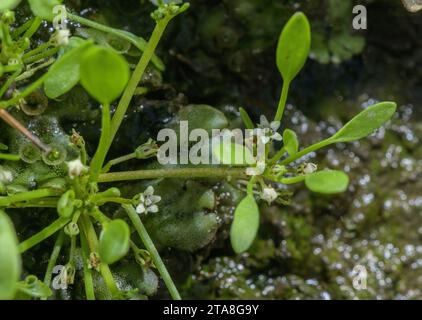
pixel 291 143
pixel 64 73
pixel 114 241
pixel 245 224
pixel 293 46
pixel 8 4
pixel 327 182
pixel 104 74
pixel 44 8
pixel 365 122
pixel 10 260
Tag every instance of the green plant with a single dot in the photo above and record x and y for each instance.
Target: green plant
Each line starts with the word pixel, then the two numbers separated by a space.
pixel 73 184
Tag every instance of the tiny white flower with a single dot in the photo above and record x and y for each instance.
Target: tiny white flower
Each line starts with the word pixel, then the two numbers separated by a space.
pixel 75 168
pixel 60 38
pixel 269 195
pixel 147 201
pixel 6 176
pixel 256 171
pixel 309 168
pixel 268 131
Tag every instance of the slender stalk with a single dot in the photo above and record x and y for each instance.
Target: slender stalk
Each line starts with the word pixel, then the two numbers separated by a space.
pixel 9 82
pixel 118 160
pixel 282 102
pixel 277 156
pixel 149 245
pixel 138 42
pixel 10 157
pixel 102 201
pixel 307 150
pixel 40 56
pixel 43 234
pixel 293 180
pixel 22 28
pixel 28 196
pixel 89 284
pixel 100 154
pixel 28 90
pixel 207 172
pixel 12 68
pixel 136 77
pixel 36 23
pixel 37 50
pixel 53 258
pixel 93 245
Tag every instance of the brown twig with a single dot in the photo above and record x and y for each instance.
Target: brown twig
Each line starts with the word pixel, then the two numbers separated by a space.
pixel 10 120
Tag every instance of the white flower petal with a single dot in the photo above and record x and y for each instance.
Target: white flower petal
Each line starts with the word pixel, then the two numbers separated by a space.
pixel 149 191
pixel 277 137
pixel 275 125
pixel 153 208
pixel 265 139
pixel 155 199
pixel 264 122
pixel 140 208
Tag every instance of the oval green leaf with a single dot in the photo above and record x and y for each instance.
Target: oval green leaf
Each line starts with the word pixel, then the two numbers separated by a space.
pixel 245 224
pixel 8 4
pixel 44 8
pixel 64 74
pixel 327 182
pixel 10 260
pixel 291 143
pixel 104 74
pixel 365 122
pixel 114 241
pixel 293 46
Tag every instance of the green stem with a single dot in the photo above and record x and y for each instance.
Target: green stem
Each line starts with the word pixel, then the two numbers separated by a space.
pixel 89 284
pixel 250 186
pixel 118 160
pixel 28 196
pixel 136 77
pixel 93 244
pixel 10 157
pixel 43 55
pixel 28 90
pixel 100 154
pixel 277 156
pixel 149 245
pixel 208 172
pixel 43 234
pixel 102 201
pixel 9 82
pixel 292 180
pixel 12 67
pixel 138 42
pixel 282 102
pixel 22 28
pixel 307 150
pixel 33 28
pixel 53 258
pixel 36 50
